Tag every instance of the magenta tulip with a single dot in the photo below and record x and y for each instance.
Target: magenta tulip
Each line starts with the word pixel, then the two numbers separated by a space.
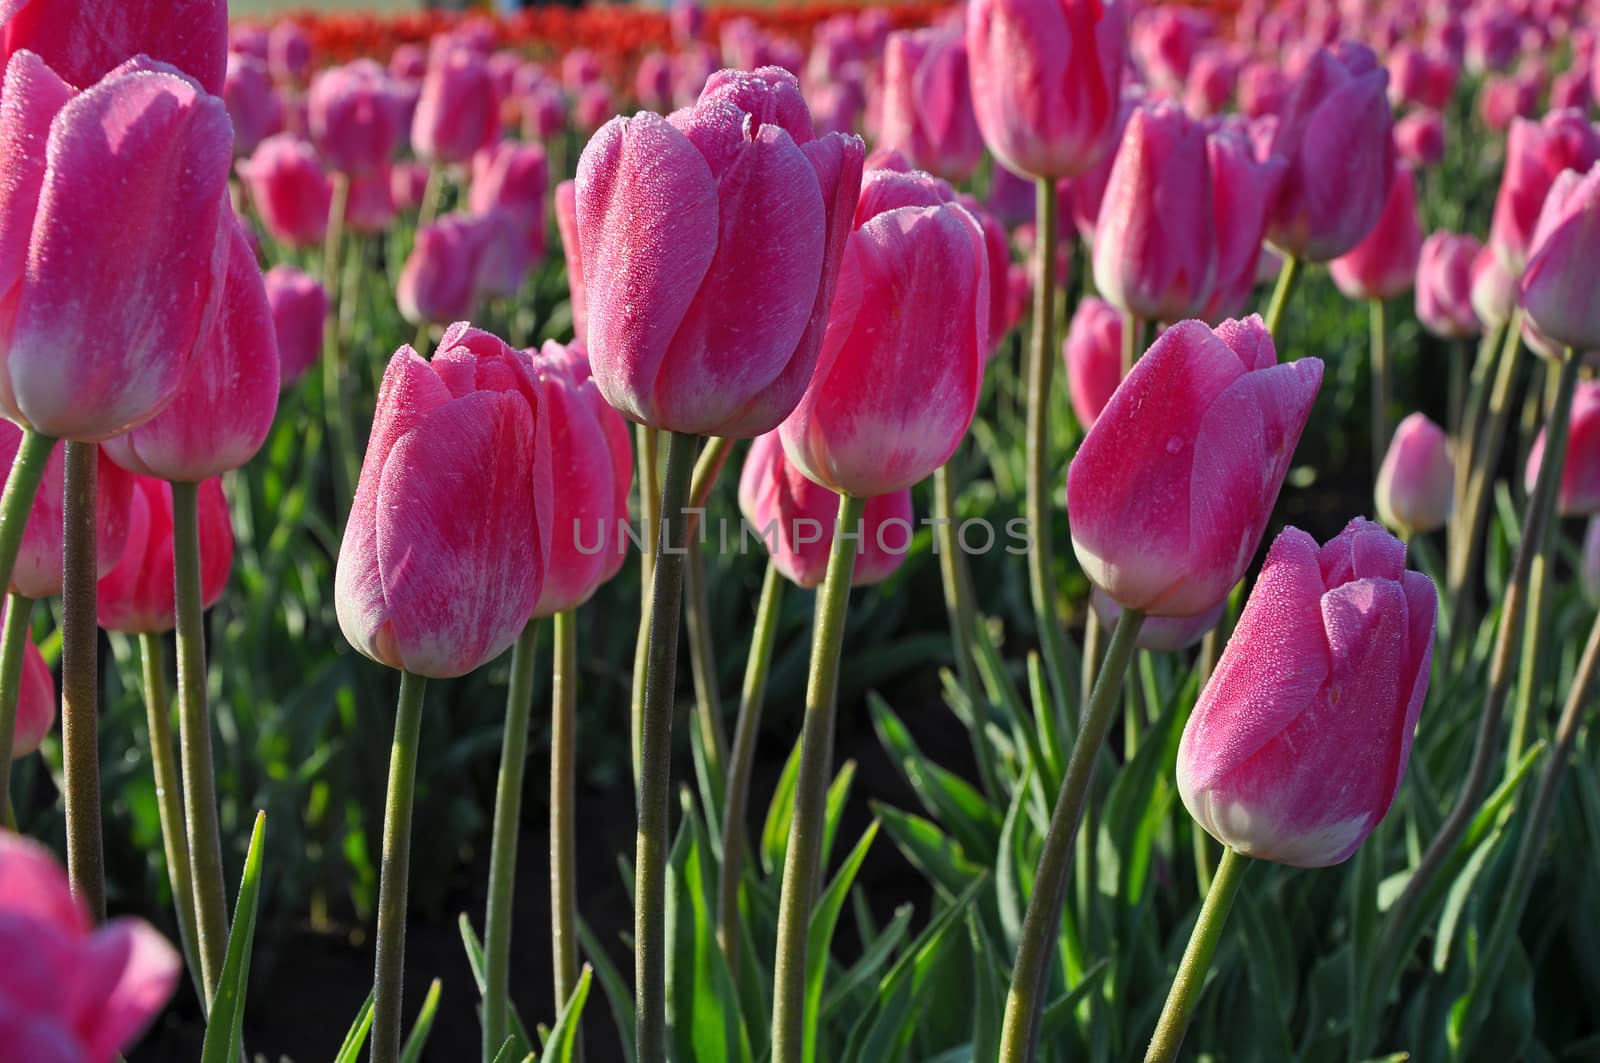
pixel 711 243
pixel 1093 353
pixel 39 561
pixel 1558 286
pixel 299 306
pixel 84 40
pixel 1444 285
pixel 457 114
pixel 1536 153
pixel 1419 138
pixel 544 113
pixel 1158 634
pixel 408 62
pixel 1264 88
pixel 1298 744
pixel 1494 289
pixel 927 102
pixel 1416 483
pixel 253 103
pixel 1211 81
pixel 135 596
pixel 566 204
pixel 1580 474
pixel 289 52
pixel 408 184
pixel 355 118
pixel 289 189
pixel 652 82
pixel 513 177
pixel 36 706
pixel 1242 190
pixel 446 548
pixel 439 281
pixel 369 202
pixel 1171 490
pixel 1384 263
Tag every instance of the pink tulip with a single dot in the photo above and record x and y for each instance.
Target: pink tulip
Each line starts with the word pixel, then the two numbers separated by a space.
pixel 1416 482
pixel 794 518
pixel 1492 39
pixel 290 190
pixel 135 596
pixel 1158 634
pixel 448 540
pixel 1019 294
pixel 39 562
pixel 1444 285
pixel 837 107
pixel 509 182
pixel 355 119
pixel 438 282
pixel 226 405
pixel 1419 138
pixel 84 40
pixel 1264 88
pixel 590 499
pixel 299 306
pixel 688 21
pixel 369 202
pixel 1580 473
pixel 692 68
pixel 652 82
pixel 592 108
pixel 1298 744
pixel 544 113
pixel 1011 196
pixel 457 113
pixel 248 38
pixel 1172 488
pixel 1502 100
pixel 289 52
pixel 408 62
pixel 566 202
pixel 1409 68
pixel 112 246
pixel 1384 263
pixel 1242 191
pixel 71 991
pixel 1536 152
pixel 253 104
pixel 1083 196
pixel 1494 289
pixel 1046 81
pixel 1558 287
pixel 1093 353
pixel 927 102
pixel 997 249
pixel 897 383
pixel 1570 89
pixel 1211 81
pixel 36 706
pixel 711 245
pixel 1155 248
pixel 408 184
pixel 581 68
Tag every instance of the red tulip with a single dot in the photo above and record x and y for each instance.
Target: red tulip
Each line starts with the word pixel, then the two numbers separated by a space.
pixel 1298 744
pixel 445 551
pixel 1416 482
pixel 253 104
pixel 1093 353
pixel 1242 190
pixel 135 596
pixel 1172 488
pixel 84 40
pixel 39 561
pixel 1384 263
pixel 355 118
pixel 457 113
pixel 1580 473
pixel 439 281
pixel 1558 287
pixel 927 102
pixel 289 189
pixel 112 245
pixel 1444 285
pixel 299 306
pixel 1536 152
pixel 36 702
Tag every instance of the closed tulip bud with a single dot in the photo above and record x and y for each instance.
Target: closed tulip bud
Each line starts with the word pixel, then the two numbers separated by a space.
pixel 1419 138
pixel 1408 67
pixel 408 184
pixel 355 120
pixel 1416 482
pixel 511 176
pixel 1211 80
pixel 36 706
pixel 1081 198
pixel 1445 283
pixel 1558 287
pixel 1264 88
pixel 711 246
pixel 1093 353
pixel 289 189
pixel 1297 746
pixel 652 82
pixel 1503 100
pixel 299 305
pixel 289 52
pixel 457 113
pixel 1580 473
pixel 590 494
pixel 581 68
pixel 1046 81
pixel 927 102
pixel 99 333
pixel 253 104
pixel 1155 248
pixel 1242 190
pixel 135 596
pixel 1172 488
pixel 369 202
pixel 73 991
pixel 794 518
pixel 445 552
pixel 1158 634
pixel 837 107
pixel 997 248
pixel 39 561
pixel 247 38
pixel 504 253
pixel 1384 263
pixel 1011 196
pixel 544 113
pixel 1536 153
pixel 84 40
pixel 592 107
pixel 566 203
pixel 1589 573
pixel 438 282
pixel 1493 37
pixel 1166 40
pixel 1494 289
pixel 408 62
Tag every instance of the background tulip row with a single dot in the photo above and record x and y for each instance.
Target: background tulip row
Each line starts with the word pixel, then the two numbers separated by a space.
pixel 422 508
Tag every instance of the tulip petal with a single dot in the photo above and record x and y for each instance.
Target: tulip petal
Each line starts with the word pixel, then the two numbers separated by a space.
pixel 32 96
pixel 126 974
pixel 86 39
pixel 1422 607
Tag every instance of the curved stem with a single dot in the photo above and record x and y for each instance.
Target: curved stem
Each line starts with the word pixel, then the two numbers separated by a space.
pixel 503 847
pixel 13 646
pixel 80 711
pixel 394 876
pixel 1191 976
pixel 703 666
pixel 169 800
pixel 956 576
pixel 646 439
pixel 194 737
pixel 1288 279
pixel 804 854
pixel 563 807
pixel 1381 384
pixel 655 756
pixel 1025 1001
pixel 751 701
pixel 1467 440
pixel 22 484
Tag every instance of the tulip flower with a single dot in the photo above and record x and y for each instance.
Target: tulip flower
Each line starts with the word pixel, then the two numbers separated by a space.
pixel 1416 483
pixel 513 179
pixel 457 113
pixel 1536 153
pixel 1494 289
pixel 566 207
pixel 1558 286
pixel 74 991
pixel 927 102
pixel 794 518
pixel 39 561
pixel 135 594
pixel 439 280
pixel 1158 634
pixel 36 704
pixel 369 202
pixel 408 185
pixel 290 190
pixel 1264 88
pixel 1155 248
pixel 1571 89
pixel 1046 81
pixel 1579 494
pixel 1384 263
pixel 1298 744
pixel 408 62
pixel 1093 354
pixel 289 52
pixel 1082 197
pixel 355 119
pixel 1170 492
pixel 253 104
pixel 299 305
pixel 1011 196
pixel 1419 138
pixel 652 82
pixel 1242 190
pixel 696 322
pixel 84 40
pixel 1504 100
pixel 1211 81
pixel 1444 285
pixel 1167 39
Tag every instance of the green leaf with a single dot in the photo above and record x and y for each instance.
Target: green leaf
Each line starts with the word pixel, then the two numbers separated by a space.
pixel 222 1040
pixel 619 997
pixel 519 1033
pixel 775 832
pixel 1011 864
pixel 819 938
pixel 412 1052
pixel 707 1025
pixel 948 798
pixel 356 1039
pixel 933 852
pixel 562 1044
pixel 1059 1013
pixel 838 798
pixel 845 988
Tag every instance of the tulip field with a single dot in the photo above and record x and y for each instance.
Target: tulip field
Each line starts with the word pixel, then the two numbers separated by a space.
pixel 1014 530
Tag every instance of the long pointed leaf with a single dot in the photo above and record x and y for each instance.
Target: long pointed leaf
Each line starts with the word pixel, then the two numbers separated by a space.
pixel 227 1011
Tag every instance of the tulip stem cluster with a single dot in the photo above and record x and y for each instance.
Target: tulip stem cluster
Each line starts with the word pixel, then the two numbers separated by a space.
pixel 802 859
pixel 13 641
pixel 1036 948
pixel 395 870
pixel 1191 976
pixel 80 709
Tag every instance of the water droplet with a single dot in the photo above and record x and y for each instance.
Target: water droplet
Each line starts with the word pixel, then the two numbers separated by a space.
pixel 1174 444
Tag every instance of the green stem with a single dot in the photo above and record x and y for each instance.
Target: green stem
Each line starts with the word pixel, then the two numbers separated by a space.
pixel 394 876
pixel 13 646
pixel 1132 341
pixel 1381 385
pixel 22 484
pixel 1467 438
pixel 1522 711
pixel 432 197
pixel 497 927
pixel 956 576
pixel 804 854
pixel 1191 976
pixel 563 808
pixel 655 756
pixel 752 699
pixel 1025 1002
pixel 169 800
pixel 1094 633
pixel 646 440
pixel 703 667
pixel 1288 279
pixel 1456 401
pixel 80 710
